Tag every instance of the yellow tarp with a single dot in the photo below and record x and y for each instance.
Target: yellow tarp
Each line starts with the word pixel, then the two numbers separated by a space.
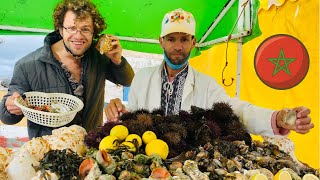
pixel 296 18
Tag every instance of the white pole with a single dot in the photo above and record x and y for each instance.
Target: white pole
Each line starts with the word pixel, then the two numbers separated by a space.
pixel 240 15
pixel 247 16
pixel 223 39
pixel 153 41
pixel 217 20
pixel 239 66
pixel 25 29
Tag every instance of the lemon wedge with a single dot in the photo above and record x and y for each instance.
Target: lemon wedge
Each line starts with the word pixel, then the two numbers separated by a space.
pixel 259 176
pixel 310 177
pixel 282 175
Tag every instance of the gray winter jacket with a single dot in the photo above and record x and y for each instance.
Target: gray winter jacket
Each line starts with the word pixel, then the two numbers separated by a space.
pixel 40 71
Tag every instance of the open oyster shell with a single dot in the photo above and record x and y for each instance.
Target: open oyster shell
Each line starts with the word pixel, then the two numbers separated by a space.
pixel 104 44
pixel 290 117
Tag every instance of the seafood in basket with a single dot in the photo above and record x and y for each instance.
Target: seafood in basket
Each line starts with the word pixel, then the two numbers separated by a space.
pixel 49 109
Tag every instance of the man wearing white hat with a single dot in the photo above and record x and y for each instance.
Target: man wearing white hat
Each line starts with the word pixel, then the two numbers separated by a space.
pixel 175 85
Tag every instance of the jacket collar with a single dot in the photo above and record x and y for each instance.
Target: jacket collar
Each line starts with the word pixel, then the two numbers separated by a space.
pixel 46 52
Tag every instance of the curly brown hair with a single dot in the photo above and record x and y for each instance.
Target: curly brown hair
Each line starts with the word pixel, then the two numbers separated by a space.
pixel 82 9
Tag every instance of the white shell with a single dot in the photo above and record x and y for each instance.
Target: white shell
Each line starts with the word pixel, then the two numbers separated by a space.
pixel 21 167
pixel 291 117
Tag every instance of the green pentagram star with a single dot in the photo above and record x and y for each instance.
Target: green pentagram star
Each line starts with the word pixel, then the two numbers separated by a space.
pixel 283 67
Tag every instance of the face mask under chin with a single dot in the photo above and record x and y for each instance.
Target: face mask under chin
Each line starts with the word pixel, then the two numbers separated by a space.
pixel 174 66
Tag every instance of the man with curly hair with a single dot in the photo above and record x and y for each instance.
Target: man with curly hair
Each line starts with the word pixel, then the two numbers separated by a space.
pixel 69 63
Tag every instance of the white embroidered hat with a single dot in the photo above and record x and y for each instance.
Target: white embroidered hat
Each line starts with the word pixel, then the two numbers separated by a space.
pixel 178 21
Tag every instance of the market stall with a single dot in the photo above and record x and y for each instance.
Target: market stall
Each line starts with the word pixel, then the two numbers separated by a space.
pixel 202 144
pixel 218 170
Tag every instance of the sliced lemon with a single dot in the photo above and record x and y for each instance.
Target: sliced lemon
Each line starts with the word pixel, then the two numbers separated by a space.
pixel 119 131
pixel 259 176
pixel 134 137
pixel 282 175
pixel 310 177
pixel 128 145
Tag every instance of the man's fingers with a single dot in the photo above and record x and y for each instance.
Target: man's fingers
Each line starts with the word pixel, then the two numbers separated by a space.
pixel 109 113
pixel 113 108
pixel 305 127
pixel 16 112
pixel 13 109
pixel 302 111
pixel 124 110
pixel 119 105
pixel 9 101
pixel 16 95
pixel 302 131
pixel 303 121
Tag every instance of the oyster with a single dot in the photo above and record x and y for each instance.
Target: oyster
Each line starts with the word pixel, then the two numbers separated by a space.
pixel 289 116
pixel 104 44
pixel 192 170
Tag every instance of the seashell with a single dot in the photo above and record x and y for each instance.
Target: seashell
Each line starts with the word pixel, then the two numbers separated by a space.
pixel 251 173
pixel 94 172
pixel 175 165
pixel 106 161
pixel 104 44
pixel 192 170
pixel 233 165
pixel 160 173
pixel 179 174
pixel 267 173
pixel 85 167
pixel 59 108
pixel 217 163
pixel 107 177
pixel 37 147
pixel 45 175
pixel 289 116
pixel 220 172
pixel 236 175
pixel 21 167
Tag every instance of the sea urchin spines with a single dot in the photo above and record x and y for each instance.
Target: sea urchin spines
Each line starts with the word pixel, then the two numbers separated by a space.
pixel 135 127
pixel 215 129
pixel 127 116
pixel 185 116
pixel 223 112
pixel 172 138
pixel 158 112
pixel 197 113
pixel 92 140
pixel 145 120
pixel 141 111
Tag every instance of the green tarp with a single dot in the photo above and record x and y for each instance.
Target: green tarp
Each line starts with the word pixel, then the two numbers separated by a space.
pixel 134 18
